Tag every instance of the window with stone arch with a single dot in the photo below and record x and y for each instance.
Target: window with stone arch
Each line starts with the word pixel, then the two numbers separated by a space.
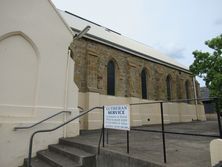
pixel 187 88
pixel 111 78
pixel 169 87
pixel 144 84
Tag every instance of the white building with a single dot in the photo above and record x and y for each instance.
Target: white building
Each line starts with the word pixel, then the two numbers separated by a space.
pixel 36 76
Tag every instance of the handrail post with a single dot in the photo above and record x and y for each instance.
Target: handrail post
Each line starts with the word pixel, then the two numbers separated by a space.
pixel 218 117
pixel 127 133
pixel 107 136
pixel 30 150
pixel 50 130
pixel 100 137
pixel 103 128
pixel 163 132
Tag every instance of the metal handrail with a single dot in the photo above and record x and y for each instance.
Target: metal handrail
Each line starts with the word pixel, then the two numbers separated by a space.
pixel 178 100
pixel 31 126
pixel 79 107
pixel 192 99
pixel 100 138
pixel 177 133
pixel 151 102
pixel 102 134
pixel 163 101
pixel 53 129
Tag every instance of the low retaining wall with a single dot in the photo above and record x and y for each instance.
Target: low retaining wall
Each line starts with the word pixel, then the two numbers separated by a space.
pixel 139 114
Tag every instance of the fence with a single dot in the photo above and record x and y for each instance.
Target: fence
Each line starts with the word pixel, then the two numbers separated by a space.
pixel 163 131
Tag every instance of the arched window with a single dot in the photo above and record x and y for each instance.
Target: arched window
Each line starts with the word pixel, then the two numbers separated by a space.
pixel 168 86
pixel 144 84
pixel 187 85
pixel 111 78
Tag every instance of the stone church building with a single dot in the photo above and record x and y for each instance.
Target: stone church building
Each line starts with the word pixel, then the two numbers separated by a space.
pixel 113 69
pixel 44 70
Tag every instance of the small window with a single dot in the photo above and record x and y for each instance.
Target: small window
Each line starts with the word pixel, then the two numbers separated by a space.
pixel 111 78
pixel 144 84
pixel 168 86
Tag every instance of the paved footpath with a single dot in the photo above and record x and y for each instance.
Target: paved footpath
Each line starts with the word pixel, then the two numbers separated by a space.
pixel 182 151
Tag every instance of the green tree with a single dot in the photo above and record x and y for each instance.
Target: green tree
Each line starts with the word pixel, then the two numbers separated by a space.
pixel 209 66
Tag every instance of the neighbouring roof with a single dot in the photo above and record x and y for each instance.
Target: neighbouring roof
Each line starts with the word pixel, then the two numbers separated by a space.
pixel 114 39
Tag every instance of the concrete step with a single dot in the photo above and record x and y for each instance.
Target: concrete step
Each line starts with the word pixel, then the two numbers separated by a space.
pixel 78 155
pixel 56 160
pixel 36 163
pixel 73 143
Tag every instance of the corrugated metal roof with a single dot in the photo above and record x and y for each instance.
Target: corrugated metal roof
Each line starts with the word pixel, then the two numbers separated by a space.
pixel 110 37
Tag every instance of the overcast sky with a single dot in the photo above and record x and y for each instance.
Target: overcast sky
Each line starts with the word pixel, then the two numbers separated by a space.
pixel 174 27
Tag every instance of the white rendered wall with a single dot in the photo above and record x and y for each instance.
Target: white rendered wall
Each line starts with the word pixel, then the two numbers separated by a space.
pixel 18 77
pixel 139 114
pixel 36 77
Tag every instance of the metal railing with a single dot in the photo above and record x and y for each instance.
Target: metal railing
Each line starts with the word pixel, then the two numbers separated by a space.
pixel 31 126
pixel 81 109
pixel 163 132
pixel 180 133
pixel 53 129
pixel 102 134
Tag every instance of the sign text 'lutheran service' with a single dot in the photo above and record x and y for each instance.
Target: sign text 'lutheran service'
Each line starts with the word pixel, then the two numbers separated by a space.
pixel 117 117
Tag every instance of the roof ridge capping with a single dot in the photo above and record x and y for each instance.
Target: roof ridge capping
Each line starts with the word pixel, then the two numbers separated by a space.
pixel 107 29
pixel 114 39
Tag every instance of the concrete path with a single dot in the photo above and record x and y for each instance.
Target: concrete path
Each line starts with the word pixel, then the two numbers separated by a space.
pixel 182 151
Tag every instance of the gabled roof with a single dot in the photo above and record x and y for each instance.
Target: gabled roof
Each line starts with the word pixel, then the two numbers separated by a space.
pixel 58 14
pixel 114 39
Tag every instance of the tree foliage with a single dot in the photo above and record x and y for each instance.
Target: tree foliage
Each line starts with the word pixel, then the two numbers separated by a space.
pixel 209 66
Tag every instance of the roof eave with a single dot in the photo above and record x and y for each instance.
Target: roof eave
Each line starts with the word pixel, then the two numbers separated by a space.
pixel 128 50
